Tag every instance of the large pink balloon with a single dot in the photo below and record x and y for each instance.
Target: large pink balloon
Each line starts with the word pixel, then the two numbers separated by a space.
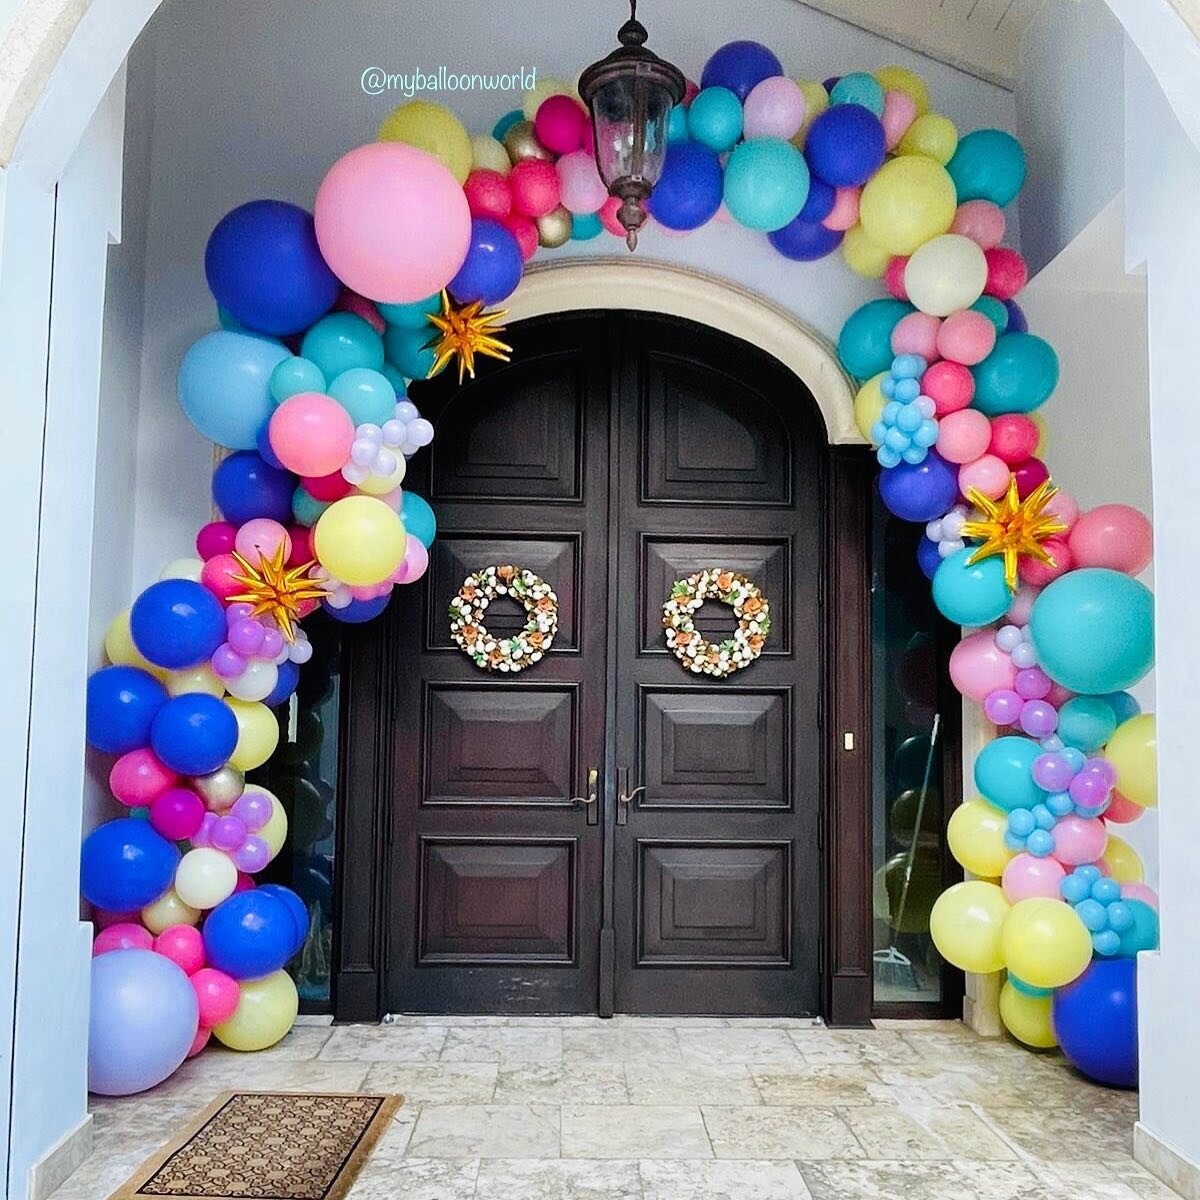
pixel 1114 536
pixel 311 434
pixel 978 666
pixel 774 108
pixel 1028 878
pixel 581 189
pixel 392 223
pixel 1079 840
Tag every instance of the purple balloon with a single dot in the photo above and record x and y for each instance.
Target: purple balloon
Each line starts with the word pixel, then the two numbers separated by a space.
pixel 252 855
pixel 919 491
pixel 1089 788
pixel 227 833
pixel 272 643
pixel 253 809
pixel 1105 768
pixel 1002 707
pixel 1033 684
pixel 203 835
pixel 226 662
pixel 1038 719
pixel 1052 772
pixel 246 636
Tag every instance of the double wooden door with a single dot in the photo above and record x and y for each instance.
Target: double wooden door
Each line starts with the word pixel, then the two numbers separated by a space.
pixel 605 831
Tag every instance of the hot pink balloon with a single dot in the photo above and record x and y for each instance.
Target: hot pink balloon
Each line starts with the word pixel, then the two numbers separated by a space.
pixel 1014 437
pixel 244 883
pixel 1079 840
pixel 1142 892
pixel 124 935
pixel 525 231
pixel 138 778
pixel 1007 272
pixel 1032 570
pixel 966 337
pixel 774 108
pixel 183 945
pixel 392 223
pixel 414 564
pixel 301 539
pixel 262 537
pixel 199 1042
pixel 217 995
pixel 917 333
pixel 950 385
pixel 350 301
pixel 560 123
pixel 177 814
pixel 963 436
pixel 893 277
pixel 311 434
pixel 581 189
pixel 218 574
pixel 899 112
pixel 978 666
pixel 1030 475
pixel 535 187
pixel 1028 878
pixel 987 474
pixel 488 194
pixel 844 214
pixel 1114 536
pixel 216 537
pixel 981 221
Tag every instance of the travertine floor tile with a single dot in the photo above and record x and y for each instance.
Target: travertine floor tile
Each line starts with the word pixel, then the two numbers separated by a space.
pixel 435 1083
pixel 770 1133
pixel 486 1131
pixel 621 1043
pixel 738 1046
pixel 815 1086
pixel 417 1179
pixel 561 1179
pixel 384 1043
pixel 696 1082
pixel 582 1082
pixel 883 1181
pixel 667 1179
pixel 633 1131
pixel 505 1045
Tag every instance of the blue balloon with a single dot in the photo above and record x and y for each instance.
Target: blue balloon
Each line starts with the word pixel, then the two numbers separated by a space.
pixel 1093 630
pixel 1142 934
pixel 1086 722
pixel 1017 321
pixel 738 66
pixel 249 935
pixel 1004 773
pixel 293 376
pixel 224 386
pixel 245 486
pixel 865 343
pixel 766 183
pixel 264 450
pixel 971 594
pixel 340 342
pixel 988 164
pixel 357 611
pixel 845 145
pixel 492 268
pixel 585 226
pixel 1124 706
pixel 285 683
pixel 194 733
pixel 715 119
pixel 928 557
pixel 125 865
pixel 122 703
pixel 1017 377
pixel 506 122
pixel 407 351
pixel 820 202
pixel 306 508
pixel 177 623
pixel 689 192
pixel 412 316
pixel 418 518
pixel 805 241
pixel 920 491
pixel 858 88
pixel 366 395
pixel 295 906
pixel 1095 1021
pixel 263 264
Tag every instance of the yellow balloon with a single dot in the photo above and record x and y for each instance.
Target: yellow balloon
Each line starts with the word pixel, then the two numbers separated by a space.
pixel 542 91
pixel 168 910
pixel 1133 750
pixel 266 1010
pixel 945 274
pixel 195 679
pixel 966 924
pixel 862 256
pixel 901 79
pixel 275 831
pixel 205 877
pixel 933 136
pixel 975 834
pixel 907 201
pixel 1124 863
pixel 380 485
pixel 487 154
pixel 868 404
pixel 1044 943
pixel 433 128
pixel 183 568
pixel 816 101
pixel 359 540
pixel 1043 433
pixel 1027 1017
pixel 258 734
pixel 120 650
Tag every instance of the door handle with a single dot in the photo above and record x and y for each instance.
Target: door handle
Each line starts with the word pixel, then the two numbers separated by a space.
pixel 593 777
pixel 627 799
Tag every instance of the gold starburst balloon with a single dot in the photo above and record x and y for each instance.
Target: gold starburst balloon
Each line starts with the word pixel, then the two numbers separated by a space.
pixel 1013 527
pixel 465 333
pixel 276 590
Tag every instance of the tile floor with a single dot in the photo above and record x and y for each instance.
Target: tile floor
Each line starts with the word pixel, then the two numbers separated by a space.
pixel 576 1108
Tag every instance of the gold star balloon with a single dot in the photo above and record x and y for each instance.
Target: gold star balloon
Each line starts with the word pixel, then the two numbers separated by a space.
pixel 1012 527
pixel 465 333
pixel 276 590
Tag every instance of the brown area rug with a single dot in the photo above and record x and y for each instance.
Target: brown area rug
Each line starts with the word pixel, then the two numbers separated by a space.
pixel 267 1146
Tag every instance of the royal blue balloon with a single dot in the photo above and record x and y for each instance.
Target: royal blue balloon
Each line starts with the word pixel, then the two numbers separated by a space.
pixel 418 518
pixel 988 164
pixel 358 611
pixel 249 935
pixel 1017 321
pixel 1017 377
pixel 1095 1021
pixel 1086 722
pixel 920 491
pixel 492 268
pixel 245 486
pixel 177 623
pixel 971 593
pixel 1004 773
pixel 407 351
pixel 295 906
pixel 805 241
pixel 285 683
pixel 263 264
pixel 865 343
pixel 845 145
pixel 194 733
pixel 689 192
pixel 122 703
pixel 820 202
pixel 125 865
pixel 928 558
pixel 263 447
pixel 738 66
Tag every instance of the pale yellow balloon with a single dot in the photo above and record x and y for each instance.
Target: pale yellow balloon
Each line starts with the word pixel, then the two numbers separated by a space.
pixel 380 485
pixel 169 910
pixel 195 679
pixel 266 1010
pixel 945 274
pixel 120 650
pixel 816 101
pixel 932 136
pixel 901 79
pixel 359 540
pixel 433 128
pixel 258 733
pixel 183 568
pixel 906 202
pixel 487 154
pixel 1027 1017
pixel 966 923
pixel 542 91
pixel 275 831
pixel 1123 861
pixel 975 834
pixel 205 877
pixel 1043 433
pixel 1133 750
pixel 862 256
pixel 1044 943
pixel 868 404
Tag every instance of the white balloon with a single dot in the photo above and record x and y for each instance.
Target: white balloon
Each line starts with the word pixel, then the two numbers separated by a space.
pixel 205 877
pixel 421 431
pixel 256 682
pixel 946 274
pixel 183 568
pixel 301 651
pixel 406 411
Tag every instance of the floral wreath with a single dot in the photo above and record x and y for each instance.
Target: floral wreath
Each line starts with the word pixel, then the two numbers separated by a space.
pixel 523 649
pixel 719 659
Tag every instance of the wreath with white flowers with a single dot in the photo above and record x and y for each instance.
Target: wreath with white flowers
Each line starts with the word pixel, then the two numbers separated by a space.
pixel 716 658
pixel 525 647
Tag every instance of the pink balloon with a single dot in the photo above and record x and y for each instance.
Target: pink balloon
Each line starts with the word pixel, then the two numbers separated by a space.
pixel 581 190
pixel 774 108
pixel 217 576
pixel 326 487
pixel 950 385
pixel 311 434
pixel 217 995
pixel 963 436
pixel 844 214
pixel 535 187
pixel 177 814
pixel 1059 695
pixel 899 112
pixel 1079 840
pixel 139 778
pixel 393 499
pixel 966 337
pixel 1064 507
pixel 1140 891
pixel 183 945
pixel 1014 437
pixel 987 474
pixel 488 194
pixel 893 277
pixel 1007 273
pixel 124 935
pixel 1031 570
pixel 414 564
pixel 917 333
pixel 262 537
pixel 560 123
pixel 981 221
pixel 244 883
pixel 1021 608
pixel 1121 810
pixel 199 1042
pixel 216 537
pixel 1028 878
pixel 350 301
pixel 525 231
pixel 1114 536
pixel 978 666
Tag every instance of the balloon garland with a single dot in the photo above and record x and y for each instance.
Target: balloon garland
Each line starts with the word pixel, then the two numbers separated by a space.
pixel 324 320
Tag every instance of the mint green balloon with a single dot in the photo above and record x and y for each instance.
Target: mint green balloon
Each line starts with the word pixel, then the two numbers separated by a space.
pixel 859 88
pixel 295 375
pixel 1017 377
pixel 366 395
pixel 340 341
pixel 766 183
pixel 411 316
pixel 715 118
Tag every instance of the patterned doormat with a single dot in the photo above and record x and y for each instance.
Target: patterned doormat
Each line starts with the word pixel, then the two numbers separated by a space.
pixel 267 1146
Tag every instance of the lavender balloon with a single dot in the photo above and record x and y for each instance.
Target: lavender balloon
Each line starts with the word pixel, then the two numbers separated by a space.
pixel 1052 772
pixel 246 636
pixel 253 809
pixel 227 834
pixel 226 662
pixel 1038 718
pixel 1003 707
pixel 252 855
pixel 1033 684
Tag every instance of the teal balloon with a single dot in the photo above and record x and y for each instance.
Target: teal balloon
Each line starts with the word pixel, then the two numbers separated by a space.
pixel 1028 989
pixel 1124 706
pixel 366 395
pixel 1143 933
pixel 227 320
pixel 1093 630
pixel 859 88
pixel 398 382
pixel 412 316
pixel 994 310
pixel 406 350
pixel 766 183
pixel 714 118
pixel 295 375
pixel 988 164
pixel 418 518
pixel 1017 377
pixel 971 594
pixel 341 341
pixel 865 343
pixel 1004 773
pixel 677 124
pixel 585 226
pixel 306 508
pixel 1086 722
pixel 502 126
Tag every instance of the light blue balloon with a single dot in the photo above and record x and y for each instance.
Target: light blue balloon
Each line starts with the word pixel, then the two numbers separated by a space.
pixel 306 508
pixel 907 390
pixel 714 119
pixel 988 164
pixel 1086 722
pixel 295 375
pixel 1017 377
pixel 909 417
pixel 1040 843
pixel 411 316
pixel 1093 914
pixel 927 433
pixel 418 517
pixel 366 395
pixel 971 594
pixel 341 341
pixel 1094 630
pixel 1021 822
pixel 1142 934
pixel 1004 773
pixel 1074 888
pixel 406 350
pixel 859 88
pixel 585 226
pixel 224 386
pixel 1106 943
pixel 766 184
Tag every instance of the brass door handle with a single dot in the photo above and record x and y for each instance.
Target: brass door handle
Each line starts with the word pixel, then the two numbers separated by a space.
pixel 593 777
pixel 624 799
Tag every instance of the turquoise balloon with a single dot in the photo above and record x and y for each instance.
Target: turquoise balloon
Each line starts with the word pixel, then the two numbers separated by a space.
pixel 502 126
pixel 1028 989
pixel 340 342
pixel 1093 630
pixel 859 88
pixel 295 375
pixel 714 118
pixel 1143 933
pixel 1004 773
pixel 1086 722
pixel 306 508
pixel 1124 706
pixel 398 382
pixel 418 518
pixel 994 310
pixel 366 395
pixel 1017 377
pixel 677 125
pixel 227 320
pixel 971 594
pixel 411 316
pixel 766 183
pixel 585 226
pixel 988 164
pixel 865 343
pixel 406 350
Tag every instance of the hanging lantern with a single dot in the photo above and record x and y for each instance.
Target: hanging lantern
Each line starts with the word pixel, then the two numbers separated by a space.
pixel 630 94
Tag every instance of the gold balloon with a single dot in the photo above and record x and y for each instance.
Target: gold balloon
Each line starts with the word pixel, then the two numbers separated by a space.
pixel 220 788
pixel 195 679
pixel 554 229
pixel 521 142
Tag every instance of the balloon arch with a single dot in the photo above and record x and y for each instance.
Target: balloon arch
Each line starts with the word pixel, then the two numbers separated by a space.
pixel 325 318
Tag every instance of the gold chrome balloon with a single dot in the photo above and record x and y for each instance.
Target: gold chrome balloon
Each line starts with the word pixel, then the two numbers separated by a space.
pixel 220 788
pixel 521 143
pixel 554 229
